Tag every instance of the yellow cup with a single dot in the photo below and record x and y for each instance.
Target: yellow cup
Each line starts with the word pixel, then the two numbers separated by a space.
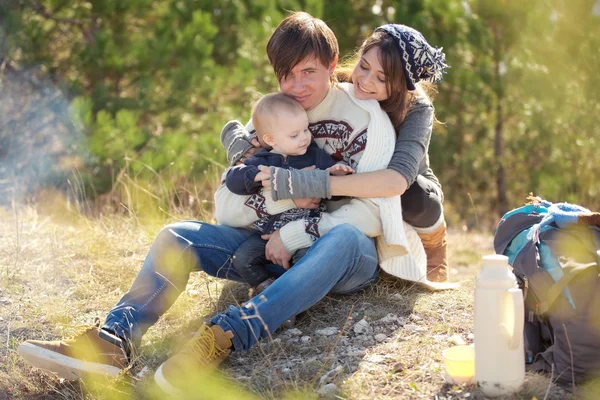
pixel 459 362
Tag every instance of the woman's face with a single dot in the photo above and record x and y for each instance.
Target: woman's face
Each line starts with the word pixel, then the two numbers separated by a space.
pixel 368 77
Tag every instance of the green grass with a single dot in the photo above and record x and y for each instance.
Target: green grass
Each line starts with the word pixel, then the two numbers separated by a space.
pixel 60 268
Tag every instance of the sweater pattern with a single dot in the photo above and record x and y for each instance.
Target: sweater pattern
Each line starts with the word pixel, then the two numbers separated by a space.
pixel 339 139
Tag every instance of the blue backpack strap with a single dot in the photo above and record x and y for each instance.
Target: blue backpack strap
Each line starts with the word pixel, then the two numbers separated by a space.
pixel 513 223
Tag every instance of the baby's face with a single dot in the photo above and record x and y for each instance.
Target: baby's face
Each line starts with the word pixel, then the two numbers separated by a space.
pixel 291 136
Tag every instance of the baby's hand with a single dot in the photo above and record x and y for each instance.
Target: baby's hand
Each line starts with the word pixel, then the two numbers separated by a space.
pixel 340 169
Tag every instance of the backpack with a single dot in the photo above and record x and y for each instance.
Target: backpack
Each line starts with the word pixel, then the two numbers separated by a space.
pixel 554 252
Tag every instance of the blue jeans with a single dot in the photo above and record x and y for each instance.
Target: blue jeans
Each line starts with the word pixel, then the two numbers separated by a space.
pixel 342 261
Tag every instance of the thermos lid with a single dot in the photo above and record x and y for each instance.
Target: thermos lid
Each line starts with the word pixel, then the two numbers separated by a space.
pixel 496 273
pixel 495 260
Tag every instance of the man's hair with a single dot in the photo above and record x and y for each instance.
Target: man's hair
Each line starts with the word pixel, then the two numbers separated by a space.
pixel 298 36
pixel 270 106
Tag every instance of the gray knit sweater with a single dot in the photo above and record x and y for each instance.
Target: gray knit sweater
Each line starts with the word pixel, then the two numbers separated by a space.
pixel 411 154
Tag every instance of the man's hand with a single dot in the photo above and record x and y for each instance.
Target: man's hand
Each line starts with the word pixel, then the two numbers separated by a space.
pixel 251 151
pixel 340 169
pixel 275 250
pixel 307 203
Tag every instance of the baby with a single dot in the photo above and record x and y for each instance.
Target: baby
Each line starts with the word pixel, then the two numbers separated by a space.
pixel 282 129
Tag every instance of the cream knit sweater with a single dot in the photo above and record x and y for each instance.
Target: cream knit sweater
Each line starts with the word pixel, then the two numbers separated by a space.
pixel 399 248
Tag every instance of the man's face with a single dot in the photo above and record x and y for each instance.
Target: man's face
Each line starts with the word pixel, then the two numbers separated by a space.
pixel 308 82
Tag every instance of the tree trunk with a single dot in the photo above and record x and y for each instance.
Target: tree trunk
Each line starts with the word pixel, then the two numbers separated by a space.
pixel 498 152
pixel 498 130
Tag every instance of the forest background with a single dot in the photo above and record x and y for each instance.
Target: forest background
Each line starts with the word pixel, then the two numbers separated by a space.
pixel 119 102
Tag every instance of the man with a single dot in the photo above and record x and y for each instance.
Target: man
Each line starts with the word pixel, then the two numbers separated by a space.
pixel 304 53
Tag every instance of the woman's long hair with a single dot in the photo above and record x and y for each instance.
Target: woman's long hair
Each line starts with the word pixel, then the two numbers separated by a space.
pixel 399 97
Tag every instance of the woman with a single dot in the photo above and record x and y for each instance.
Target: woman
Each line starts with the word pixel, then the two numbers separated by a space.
pixel 396 66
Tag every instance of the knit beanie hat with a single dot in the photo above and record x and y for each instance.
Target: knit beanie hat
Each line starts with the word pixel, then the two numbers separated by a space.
pixel 236 140
pixel 420 61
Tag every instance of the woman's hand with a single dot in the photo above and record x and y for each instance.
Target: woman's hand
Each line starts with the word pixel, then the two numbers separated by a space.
pixel 275 250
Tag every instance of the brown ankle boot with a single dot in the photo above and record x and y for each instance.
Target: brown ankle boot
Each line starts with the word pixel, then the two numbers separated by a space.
pixel 436 249
pixel 178 376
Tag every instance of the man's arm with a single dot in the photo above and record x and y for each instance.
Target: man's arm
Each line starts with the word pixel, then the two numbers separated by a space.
pixel 361 213
pixel 240 211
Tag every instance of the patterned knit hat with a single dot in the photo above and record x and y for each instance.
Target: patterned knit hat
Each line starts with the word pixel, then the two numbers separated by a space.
pixel 420 61
pixel 236 140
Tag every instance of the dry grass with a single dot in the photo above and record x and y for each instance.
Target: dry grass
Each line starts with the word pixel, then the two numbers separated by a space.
pixel 59 269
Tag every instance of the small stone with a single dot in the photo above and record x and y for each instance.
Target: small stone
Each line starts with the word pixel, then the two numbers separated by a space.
pixel 398 367
pixel 328 377
pixel 193 293
pixel 5 300
pixel 143 372
pixel 470 336
pixel 305 339
pixel 365 340
pixel 415 318
pixel 293 332
pixel 355 352
pixel 391 319
pixel 328 389
pixel 380 337
pixel 286 370
pixel 413 328
pixel 456 340
pixel 332 330
pixel 362 327
pixel 375 358
pixel 396 296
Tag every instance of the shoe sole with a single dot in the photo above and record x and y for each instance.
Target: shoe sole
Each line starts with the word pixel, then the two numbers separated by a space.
pixel 65 367
pixel 164 385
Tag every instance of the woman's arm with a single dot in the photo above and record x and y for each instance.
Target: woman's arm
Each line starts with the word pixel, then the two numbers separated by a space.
pixel 410 149
pixel 382 183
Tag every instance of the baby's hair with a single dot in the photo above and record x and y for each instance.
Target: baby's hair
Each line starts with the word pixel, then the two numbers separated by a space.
pixel 268 107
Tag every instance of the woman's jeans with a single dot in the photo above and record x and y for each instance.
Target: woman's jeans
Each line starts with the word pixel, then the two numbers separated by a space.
pixel 342 261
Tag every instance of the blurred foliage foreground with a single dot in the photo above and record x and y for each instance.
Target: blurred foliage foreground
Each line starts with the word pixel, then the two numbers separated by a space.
pixel 100 95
